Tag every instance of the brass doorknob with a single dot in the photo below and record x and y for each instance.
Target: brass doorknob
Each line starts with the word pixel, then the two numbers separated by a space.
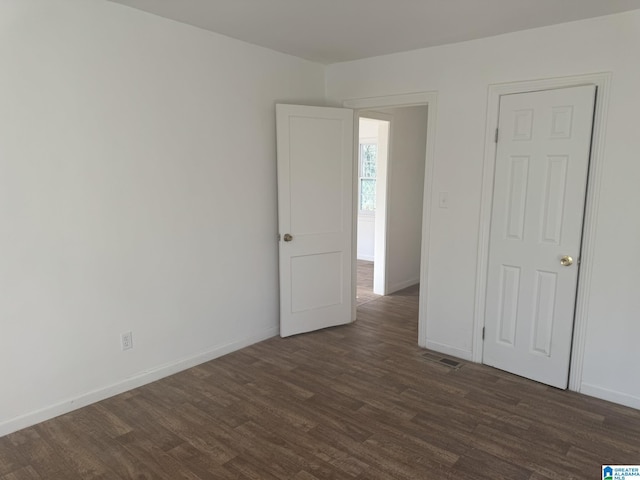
pixel 288 237
pixel 566 261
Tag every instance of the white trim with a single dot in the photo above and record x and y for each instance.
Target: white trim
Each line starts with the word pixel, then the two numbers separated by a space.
pixel 603 82
pixel 383 202
pixel 449 350
pixel 610 395
pixel 405 100
pixel 130 383
pixel 354 223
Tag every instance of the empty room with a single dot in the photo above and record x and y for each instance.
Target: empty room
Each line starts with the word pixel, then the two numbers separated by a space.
pixel 182 188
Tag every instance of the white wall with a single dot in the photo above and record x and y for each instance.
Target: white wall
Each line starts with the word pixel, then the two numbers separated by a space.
pixel 460 74
pixel 366 237
pixel 405 189
pixel 137 192
pixel 132 199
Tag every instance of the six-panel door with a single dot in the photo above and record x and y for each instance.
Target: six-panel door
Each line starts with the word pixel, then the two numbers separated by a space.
pixel 542 162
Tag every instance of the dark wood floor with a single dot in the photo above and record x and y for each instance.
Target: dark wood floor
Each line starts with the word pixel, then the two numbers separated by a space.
pixel 354 402
pixel 365 282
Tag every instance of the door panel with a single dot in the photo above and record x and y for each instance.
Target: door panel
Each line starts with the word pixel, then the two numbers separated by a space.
pixel 542 162
pixel 315 163
pixel 315 207
pixel 316 281
pixel 509 287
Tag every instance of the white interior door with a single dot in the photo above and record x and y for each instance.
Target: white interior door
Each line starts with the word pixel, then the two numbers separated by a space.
pixel 542 162
pixel 315 212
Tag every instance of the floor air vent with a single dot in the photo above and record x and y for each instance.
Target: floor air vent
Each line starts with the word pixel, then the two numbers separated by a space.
pixel 448 362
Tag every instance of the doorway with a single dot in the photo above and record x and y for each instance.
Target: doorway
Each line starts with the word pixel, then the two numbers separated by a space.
pixel 301 175
pixel 391 154
pixel 371 204
pixel 429 100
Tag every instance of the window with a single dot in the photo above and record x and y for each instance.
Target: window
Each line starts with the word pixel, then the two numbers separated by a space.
pixel 367 177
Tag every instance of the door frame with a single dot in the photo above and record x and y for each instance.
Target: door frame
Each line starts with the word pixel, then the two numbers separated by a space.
pixel 430 99
pixel 603 83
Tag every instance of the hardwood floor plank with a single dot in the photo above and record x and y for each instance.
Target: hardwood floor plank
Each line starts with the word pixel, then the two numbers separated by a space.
pixel 81 456
pixel 364 292
pixel 361 402
pixel 11 458
pixel 25 473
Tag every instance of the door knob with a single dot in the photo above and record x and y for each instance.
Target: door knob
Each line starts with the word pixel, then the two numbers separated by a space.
pixel 288 237
pixel 566 261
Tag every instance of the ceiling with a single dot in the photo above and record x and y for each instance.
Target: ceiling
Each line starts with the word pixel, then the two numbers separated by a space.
pixel 331 31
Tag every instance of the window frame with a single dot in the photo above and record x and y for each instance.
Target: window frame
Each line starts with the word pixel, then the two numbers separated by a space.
pixel 361 143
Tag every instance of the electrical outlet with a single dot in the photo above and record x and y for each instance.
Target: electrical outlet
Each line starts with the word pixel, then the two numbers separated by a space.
pixel 127 341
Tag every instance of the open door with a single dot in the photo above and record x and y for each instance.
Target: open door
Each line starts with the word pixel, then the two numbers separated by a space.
pixel 315 215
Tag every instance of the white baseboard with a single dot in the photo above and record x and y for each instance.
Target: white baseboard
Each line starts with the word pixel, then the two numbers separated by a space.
pixel 130 383
pixel 449 350
pixel 610 395
pixel 402 285
pixel 367 258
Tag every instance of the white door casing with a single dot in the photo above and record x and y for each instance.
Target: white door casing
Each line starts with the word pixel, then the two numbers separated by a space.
pixel 381 257
pixel 315 207
pixel 542 162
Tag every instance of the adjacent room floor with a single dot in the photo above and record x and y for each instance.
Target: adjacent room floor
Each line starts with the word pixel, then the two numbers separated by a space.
pixel 354 402
pixel 365 282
